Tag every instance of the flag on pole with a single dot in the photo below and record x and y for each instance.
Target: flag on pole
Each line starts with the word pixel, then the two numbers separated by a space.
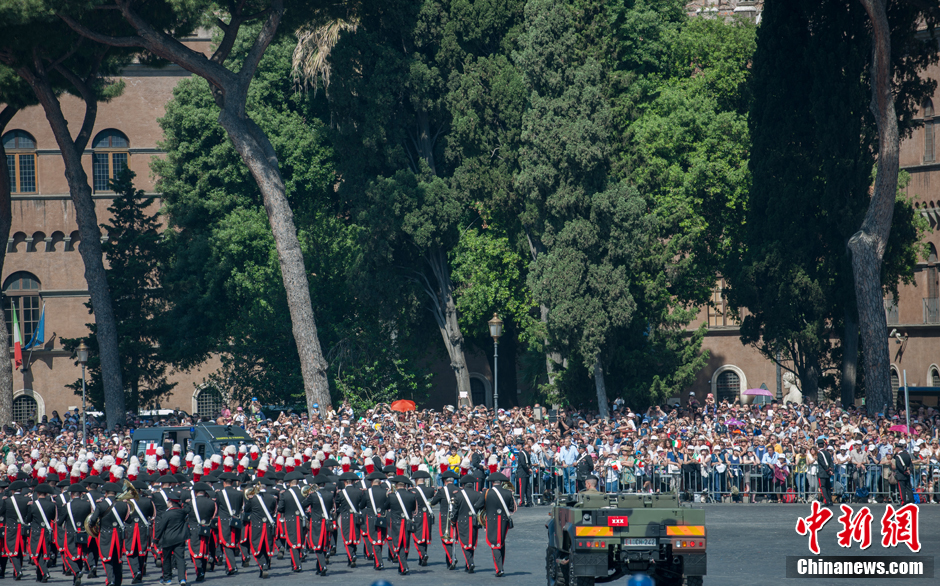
pixel 17 339
pixel 39 334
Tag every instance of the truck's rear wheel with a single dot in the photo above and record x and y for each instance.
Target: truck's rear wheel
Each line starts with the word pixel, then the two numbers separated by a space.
pixel 693 580
pixel 551 567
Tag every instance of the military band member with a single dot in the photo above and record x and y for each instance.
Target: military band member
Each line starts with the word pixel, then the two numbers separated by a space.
pixel 231 503
pixel 293 517
pixel 262 508
pixel 16 526
pixel 499 504
pixel 203 511
pixel 161 503
pixel 348 497
pixel 402 506
pixel 446 528
pixel 41 538
pixel 468 503
pixel 171 533
pixel 320 502
pixel 138 532
pixel 424 517
pixel 374 503
pixel 109 516
pixel 76 539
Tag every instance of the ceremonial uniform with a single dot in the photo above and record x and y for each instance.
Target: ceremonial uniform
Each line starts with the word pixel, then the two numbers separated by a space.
pixel 424 519
pixel 499 504
pixel 523 473
pixel 291 512
pixel 347 512
pixel 171 534
pixel 16 530
pixel 41 538
pixel 229 521
pixel 402 506
pixel 202 513
pixel 320 503
pixel 160 505
pixel 445 528
pixel 76 540
pixel 824 465
pixel 137 535
pixel 110 515
pixel 468 503
pixel 374 503
pixel 261 510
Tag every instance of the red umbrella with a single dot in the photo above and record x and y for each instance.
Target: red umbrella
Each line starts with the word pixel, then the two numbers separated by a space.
pixel 403 405
pixel 901 428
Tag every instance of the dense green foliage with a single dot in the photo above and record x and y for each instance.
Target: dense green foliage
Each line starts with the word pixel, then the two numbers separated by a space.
pixel 136 254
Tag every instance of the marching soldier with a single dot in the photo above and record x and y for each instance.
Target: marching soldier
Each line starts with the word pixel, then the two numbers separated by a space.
pixel 402 506
pixel 320 502
pixel 261 509
pixel 16 526
pixel 347 502
pixel 76 539
pixel 292 515
pixel 61 501
pixel 93 496
pixel 448 512
pixel 468 503
pixel 202 512
pixel 161 503
pixel 171 532
pixel 137 535
pixel 110 516
pixel 41 538
pixel 231 502
pixel 499 504
pixel 374 503
pixel 424 517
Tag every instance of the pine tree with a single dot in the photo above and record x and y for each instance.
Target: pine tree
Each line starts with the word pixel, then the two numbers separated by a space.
pixel 135 255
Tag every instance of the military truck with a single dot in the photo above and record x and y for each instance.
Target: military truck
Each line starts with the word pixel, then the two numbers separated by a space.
pixel 203 440
pixel 596 537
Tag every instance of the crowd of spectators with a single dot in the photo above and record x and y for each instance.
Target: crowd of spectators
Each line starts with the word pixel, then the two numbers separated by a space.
pixel 705 451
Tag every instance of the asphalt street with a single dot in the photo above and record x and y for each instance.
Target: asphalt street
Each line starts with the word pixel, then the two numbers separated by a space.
pixel 747 545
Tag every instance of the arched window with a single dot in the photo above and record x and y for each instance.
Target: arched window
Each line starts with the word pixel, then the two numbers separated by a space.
pixel 932 301
pixel 895 385
pixel 929 124
pixel 934 377
pixel 21 291
pixel 20 149
pixel 24 409
pixel 109 157
pixel 729 386
pixel 209 402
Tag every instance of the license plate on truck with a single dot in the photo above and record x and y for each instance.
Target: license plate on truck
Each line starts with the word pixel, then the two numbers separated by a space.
pixel 640 541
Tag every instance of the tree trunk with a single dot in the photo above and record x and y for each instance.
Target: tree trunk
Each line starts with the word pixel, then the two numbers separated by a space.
pixel 445 314
pixel 809 378
pixel 6 219
pixel 552 358
pixel 256 151
pixel 849 357
pixel 869 243
pixel 88 229
pixel 602 406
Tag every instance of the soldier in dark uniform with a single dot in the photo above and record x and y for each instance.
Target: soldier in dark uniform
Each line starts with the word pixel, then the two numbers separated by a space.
pixel 16 526
pixel 41 541
pixel 468 502
pixel 446 528
pixel 261 509
pixel 903 466
pixel 110 517
pixel 499 504
pixel 523 473
pixel 402 505
pixel 320 503
pixel 584 466
pixel 72 521
pixel 61 500
pixel 347 502
pixel 231 502
pixel 93 495
pixel 4 484
pixel 159 498
pixel 202 513
pixel 171 533
pixel 824 473
pixel 374 502
pixel 290 510
pixel 424 516
pixel 137 532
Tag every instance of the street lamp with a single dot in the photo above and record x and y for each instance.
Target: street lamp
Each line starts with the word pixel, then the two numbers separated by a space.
pixel 496 330
pixel 82 352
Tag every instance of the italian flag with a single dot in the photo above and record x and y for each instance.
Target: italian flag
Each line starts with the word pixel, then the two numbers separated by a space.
pixel 17 340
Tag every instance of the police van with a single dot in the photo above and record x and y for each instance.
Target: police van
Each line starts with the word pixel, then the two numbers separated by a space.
pixel 203 440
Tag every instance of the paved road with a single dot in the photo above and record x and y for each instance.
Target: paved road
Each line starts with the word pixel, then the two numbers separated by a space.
pixel 748 545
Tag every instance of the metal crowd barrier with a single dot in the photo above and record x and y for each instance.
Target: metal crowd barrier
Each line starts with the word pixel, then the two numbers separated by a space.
pixel 741 483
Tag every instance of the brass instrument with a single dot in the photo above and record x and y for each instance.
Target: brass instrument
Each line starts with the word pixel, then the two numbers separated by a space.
pixel 307 489
pixel 128 494
pixel 251 491
pixel 451 511
pixel 481 519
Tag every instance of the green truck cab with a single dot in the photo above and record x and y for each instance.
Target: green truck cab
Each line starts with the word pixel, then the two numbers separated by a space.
pixel 597 537
pixel 203 440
